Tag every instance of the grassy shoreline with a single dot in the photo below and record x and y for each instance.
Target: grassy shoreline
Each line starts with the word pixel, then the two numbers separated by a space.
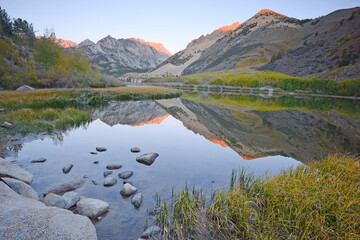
pixel 318 201
pixel 46 110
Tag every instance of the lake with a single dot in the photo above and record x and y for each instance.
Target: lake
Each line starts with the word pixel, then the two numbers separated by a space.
pixel 200 139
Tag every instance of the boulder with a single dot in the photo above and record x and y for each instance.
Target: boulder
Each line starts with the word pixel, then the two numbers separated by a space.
pixel 54 200
pixel 126 174
pixel 107 173
pixel 39 160
pixel 21 188
pixel 25 88
pixel 67 186
pixel 135 150
pixel 67 168
pixel 91 207
pixel 7 169
pixel 137 200
pixel 151 231
pixel 147 158
pixel 71 198
pixel 128 190
pixel 24 218
pixel 113 166
pixel 6 125
pixel 110 181
pixel 101 149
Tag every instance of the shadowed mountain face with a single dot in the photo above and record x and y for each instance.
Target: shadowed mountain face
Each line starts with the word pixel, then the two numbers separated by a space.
pixel 131 113
pixel 253 134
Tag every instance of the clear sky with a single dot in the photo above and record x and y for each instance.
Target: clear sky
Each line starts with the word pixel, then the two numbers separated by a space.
pixel 173 23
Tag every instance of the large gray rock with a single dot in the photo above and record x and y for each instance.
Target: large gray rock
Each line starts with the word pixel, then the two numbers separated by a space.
pixel 126 174
pixel 91 207
pixel 137 200
pixel 23 218
pixel 25 88
pixel 22 188
pixel 71 198
pixel 128 190
pixel 67 186
pixel 147 158
pixel 151 231
pixel 54 200
pixel 8 169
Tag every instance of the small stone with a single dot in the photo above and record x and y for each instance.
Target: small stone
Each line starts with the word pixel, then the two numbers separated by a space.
pixel 110 181
pixel 113 166
pixel 137 200
pixel 94 182
pixel 151 231
pixel 128 190
pixel 126 174
pixel 85 176
pixel 135 150
pixel 100 149
pixel 94 153
pixel 99 218
pixel 107 173
pixel 39 160
pixel 91 207
pixel 6 125
pixel 54 200
pixel 71 198
pixel 147 158
pixel 96 162
pixel 67 168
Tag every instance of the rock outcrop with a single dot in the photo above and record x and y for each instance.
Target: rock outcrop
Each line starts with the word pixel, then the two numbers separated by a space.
pixel 7 169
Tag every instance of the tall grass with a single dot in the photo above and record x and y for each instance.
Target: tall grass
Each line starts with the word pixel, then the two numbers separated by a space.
pixel 318 201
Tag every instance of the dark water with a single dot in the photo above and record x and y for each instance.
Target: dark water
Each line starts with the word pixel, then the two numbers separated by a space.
pixel 199 140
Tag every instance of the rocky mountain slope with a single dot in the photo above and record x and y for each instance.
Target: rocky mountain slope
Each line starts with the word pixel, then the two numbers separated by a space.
pixel 158 46
pixel 119 56
pixel 63 43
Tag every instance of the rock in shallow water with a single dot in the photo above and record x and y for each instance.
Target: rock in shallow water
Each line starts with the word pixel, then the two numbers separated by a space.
pixel 96 162
pixel 135 150
pixel 94 153
pixel 113 166
pixel 67 168
pixel 91 207
pixel 94 182
pixel 107 173
pixel 101 149
pixel 7 169
pixel 137 200
pixel 39 160
pixel 25 218
pixel 151 231
pixel 67 186
pixel 71 198
pixel 22 188
pixel 128 190
pixel 110 181
pixel 147 159
pixel 126 174
pixel 53 200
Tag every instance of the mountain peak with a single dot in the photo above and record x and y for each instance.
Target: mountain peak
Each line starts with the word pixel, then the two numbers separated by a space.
pixel 158 46
pixel 229 27
pixel 268 11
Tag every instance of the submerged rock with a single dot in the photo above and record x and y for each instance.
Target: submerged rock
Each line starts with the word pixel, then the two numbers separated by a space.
pixel 24 218
pixel 128 190
pixel 54 200
pixel 67 168
pixel 126 174
pixel 101 149
pixel 67 186
pixel 39 160
pixel 94 182
pixel 91 207
pixel 7 169
pixel 71 198
pixel 6 125
pixel 110 181
pixel 137 200
pixel 107 173
pixel 135 150
pixel 94 153
pixel 151 231
pixel 96 162
pixel 113 166
pixel 147 158
pixel 21 188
